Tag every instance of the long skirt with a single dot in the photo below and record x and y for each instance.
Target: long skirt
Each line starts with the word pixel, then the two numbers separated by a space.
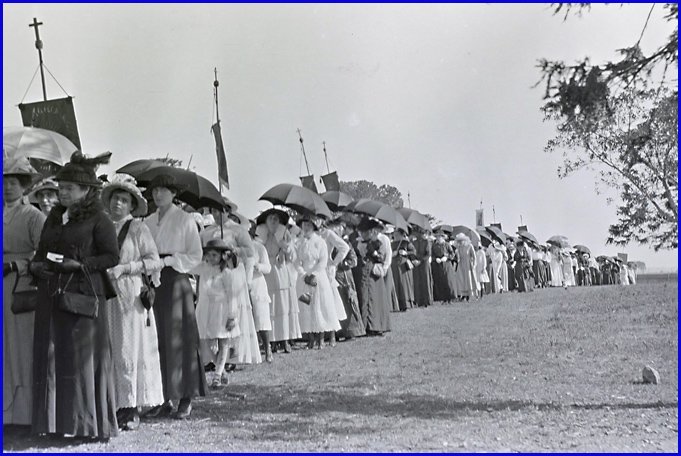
pixel 178 337
pixel 404 286
pixel 353 325
pixel 444 281
pixel 283 302
pixel 510 272
pixel 320 315
pixel 522 277
pixel 137 368
pixel 73 387
pixel 393 301
pixel 423 285
pixel 373 299
pixel 248 350
pixel 17 359
pixel 260 300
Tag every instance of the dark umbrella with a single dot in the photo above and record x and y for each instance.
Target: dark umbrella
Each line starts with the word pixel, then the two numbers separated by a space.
pixel 283 216
pixel 582 248
pixel 336 200
pixel 198 191
pixel 138 167
pixel 485 237
pixel 379 210
pixel 528 236
pixel 496 233
pixel 415 218
pixel 297 198
pixel 446 228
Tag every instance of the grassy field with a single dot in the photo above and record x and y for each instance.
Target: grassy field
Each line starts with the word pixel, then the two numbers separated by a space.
pixel 553 370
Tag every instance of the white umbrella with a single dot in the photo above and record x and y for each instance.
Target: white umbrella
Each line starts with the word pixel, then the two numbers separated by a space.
pixel 39 143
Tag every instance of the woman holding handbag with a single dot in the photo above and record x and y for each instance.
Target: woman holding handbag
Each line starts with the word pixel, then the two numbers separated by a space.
pixel 132 325
pixel 73 390
pixel 22 224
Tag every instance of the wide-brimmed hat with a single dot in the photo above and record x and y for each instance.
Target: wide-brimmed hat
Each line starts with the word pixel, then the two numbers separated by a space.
pixel 81 169
pixel 128 184
pixel 45 184
pixel 18 167
pixel 216 244
pixel 281 215
pixel 462 238
pixel 166 181
pixel 228 203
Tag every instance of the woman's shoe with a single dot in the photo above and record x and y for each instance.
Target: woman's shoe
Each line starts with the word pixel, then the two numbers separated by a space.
pixel 268 356
pixel 184 409
pixel 160 411
pixel 287 347
pixel 133 421
pixel 216 383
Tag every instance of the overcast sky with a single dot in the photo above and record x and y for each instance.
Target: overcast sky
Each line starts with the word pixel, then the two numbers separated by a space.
pixel 436 100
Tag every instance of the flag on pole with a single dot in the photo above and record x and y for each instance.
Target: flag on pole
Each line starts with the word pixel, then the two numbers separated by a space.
pixel 331 181
pixel 222 160
pixel 308 182
pixel 479 218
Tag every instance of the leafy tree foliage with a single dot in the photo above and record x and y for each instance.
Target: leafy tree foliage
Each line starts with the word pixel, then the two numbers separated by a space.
pixel 621 120
pixel 366 189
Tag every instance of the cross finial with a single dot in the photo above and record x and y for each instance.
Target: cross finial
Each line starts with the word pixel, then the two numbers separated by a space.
pixel 36 24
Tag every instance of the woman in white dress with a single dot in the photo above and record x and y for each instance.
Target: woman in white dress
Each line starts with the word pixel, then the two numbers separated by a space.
pixel 257 266
pixel 318 309
pixel 556 267
pixel 481 270
pixel 338 249
pixel 132 328
pixel 496 255
pixel 271 227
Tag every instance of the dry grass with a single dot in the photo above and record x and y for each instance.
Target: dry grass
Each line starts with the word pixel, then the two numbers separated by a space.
pixel 552 370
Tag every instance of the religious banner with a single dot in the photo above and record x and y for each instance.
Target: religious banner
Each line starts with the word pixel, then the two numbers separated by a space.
pixel 498 225
pixel 222 160
pixel 308 182
pixel 54 115
pixel 479 218
pixel 523 228
pixel 331 182
pixel 623 256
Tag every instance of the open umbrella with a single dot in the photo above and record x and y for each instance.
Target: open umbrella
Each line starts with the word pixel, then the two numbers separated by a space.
pixel 559 241
pixel 582 249
pixel 485 237
pixel 415 218
pixel 138 167
pixel 496 233
pixel 199 191
pixel 446 228
pixel 528 236
pixel 473 235
pixel 336 200
pixel 38 143
pixel 380 211
pixel 297 198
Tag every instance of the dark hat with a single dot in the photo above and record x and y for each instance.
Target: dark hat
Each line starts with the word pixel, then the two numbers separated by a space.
pixel 166 181
pixel 262 218
pixel 309 218
pixel 81 169
pixel 216 244
pixel 368 223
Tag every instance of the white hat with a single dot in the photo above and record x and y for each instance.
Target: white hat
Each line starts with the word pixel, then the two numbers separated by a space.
pixel 129 184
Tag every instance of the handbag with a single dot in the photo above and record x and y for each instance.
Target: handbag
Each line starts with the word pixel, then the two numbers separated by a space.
pixel 24 297
pixel 77 303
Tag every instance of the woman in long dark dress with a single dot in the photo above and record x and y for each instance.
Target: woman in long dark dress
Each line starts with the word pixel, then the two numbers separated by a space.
pixel 444 279
pixel 522 268
pixel 77 397
pixel 369 279
pixel 404 253
pixel 423 276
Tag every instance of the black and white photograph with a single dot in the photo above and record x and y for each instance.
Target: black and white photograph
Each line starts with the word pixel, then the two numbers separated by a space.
pixel 340 228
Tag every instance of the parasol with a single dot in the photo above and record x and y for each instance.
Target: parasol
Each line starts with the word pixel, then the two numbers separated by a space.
pixel 559 241
pixel 38 143
pixel 297 198
pixel 582 249
pixel 415 218
pixel 379 210
pixel 336 200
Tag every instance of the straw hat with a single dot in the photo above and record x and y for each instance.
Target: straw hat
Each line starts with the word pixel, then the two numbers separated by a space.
pixel 462 238
pixel 21 169
pixel 128 184
pixel 216 244
pixel 46 184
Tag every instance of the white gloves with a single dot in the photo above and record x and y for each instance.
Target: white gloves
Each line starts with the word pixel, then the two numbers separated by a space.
pixel 119 270
pixel 169 261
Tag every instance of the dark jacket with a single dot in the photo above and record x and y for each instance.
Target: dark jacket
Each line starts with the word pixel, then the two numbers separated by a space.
pixel 88 237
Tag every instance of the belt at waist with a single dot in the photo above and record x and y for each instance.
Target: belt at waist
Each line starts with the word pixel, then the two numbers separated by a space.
pixel 163 255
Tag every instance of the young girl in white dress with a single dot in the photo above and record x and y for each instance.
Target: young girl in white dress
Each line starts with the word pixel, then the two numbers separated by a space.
pixel 217 312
